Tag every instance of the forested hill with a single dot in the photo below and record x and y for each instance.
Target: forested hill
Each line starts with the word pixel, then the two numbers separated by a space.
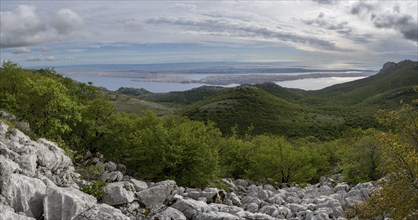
pixel 269 108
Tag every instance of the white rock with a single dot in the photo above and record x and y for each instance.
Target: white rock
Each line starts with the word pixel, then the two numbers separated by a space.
pixel 66 203
pixel 7 166
pixel 270 210
pixel 191 208
pixel 8 213
pixel 23 194
pixel 118 193
pixel 216 216
pixel 170 213
pixel 252 207
pixel 51 156
pixel 235 199
pixel 102 211
pixel 138 184
pixel 160 193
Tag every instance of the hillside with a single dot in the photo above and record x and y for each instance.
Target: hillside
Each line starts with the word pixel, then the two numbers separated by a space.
pixel 249 106
pixel 270 108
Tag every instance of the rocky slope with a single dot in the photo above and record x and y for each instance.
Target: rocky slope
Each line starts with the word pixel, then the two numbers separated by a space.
pixel 38 181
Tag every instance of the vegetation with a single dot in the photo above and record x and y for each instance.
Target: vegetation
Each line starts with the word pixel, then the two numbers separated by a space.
pixel 95 188
pixel 263 133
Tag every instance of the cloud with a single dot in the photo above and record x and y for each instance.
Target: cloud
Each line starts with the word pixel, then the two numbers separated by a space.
pixel 361 7
pixel 41 58
pixel 25 27
pixel 67 21
pixel 22 50
pixel 329 24
pixel 131 24
pixel 405 24
pixel 230 27
pixel 326 2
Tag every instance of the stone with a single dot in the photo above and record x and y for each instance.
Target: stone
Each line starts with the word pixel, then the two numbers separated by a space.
pixel 169 213
pixel 252 207
pixel 66 203
pixel 138 184
pixel 160 193
pixel 111 177
pixel 284 212
pixel 23 194
pixel 235 199
pixel 19 137
pixel 216 216
pixel 296 207
pixel 341 187
pixel 191 208
pixel 51 156
pixel 110 166
pixel 8 213
pixel 276 199
pixel 118 193
pixel 102 211
pixel 7 166
pixel 270 210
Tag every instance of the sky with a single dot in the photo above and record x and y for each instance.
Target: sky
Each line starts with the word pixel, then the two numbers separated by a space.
pixel 315 33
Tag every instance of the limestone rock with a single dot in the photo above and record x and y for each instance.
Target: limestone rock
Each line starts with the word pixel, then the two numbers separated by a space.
pixel 169 213
pixel 118 193
pixel 23 194
pixel 8 213
pixel 160 193
pixel 102 211
pixel 66 203
pixel 191 208
pixel 138 184
pixel 51 156
pixel 216 216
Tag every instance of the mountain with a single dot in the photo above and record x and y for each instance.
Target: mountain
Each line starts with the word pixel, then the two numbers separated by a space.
pixel 270 108
pixel 294 112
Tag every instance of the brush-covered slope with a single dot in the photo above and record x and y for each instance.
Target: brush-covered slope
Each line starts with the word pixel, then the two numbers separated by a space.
pixel 393 83
pixel 249 106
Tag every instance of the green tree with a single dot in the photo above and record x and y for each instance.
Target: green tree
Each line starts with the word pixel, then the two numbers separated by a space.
pixel 275 158
pixel 361 156
pixel 398 192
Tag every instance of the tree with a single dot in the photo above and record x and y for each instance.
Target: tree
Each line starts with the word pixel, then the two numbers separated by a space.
pixel 398 192
pixel 277 159
pixel 361 156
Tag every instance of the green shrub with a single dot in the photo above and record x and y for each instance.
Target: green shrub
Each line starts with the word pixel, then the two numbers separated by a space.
pixel 95 188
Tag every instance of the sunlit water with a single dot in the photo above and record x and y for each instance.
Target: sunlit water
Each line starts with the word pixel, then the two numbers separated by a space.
pixel 315 84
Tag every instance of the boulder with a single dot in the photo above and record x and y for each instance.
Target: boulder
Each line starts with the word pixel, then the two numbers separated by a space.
pixel 252 207
pixel 8 213
pixel 114 176
pixel 216 216
pixel 7 166
pixel 138 184
pixel 110 166
pixel 235 199
pixel 66 203
pixel 118 193
pixel 169 213
pixel 23 194
pixel 190 207
pixel 225 208
pixel 51 156
pixel 102 211
pixel 160 193
pixel 270 210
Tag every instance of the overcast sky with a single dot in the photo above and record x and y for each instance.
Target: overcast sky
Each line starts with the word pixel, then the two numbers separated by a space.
pixel 315 33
